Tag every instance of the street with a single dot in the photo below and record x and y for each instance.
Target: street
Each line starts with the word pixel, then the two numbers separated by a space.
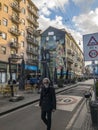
pixel 28 118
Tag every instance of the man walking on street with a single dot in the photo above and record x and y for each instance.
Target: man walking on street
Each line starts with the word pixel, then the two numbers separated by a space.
pixel 47 102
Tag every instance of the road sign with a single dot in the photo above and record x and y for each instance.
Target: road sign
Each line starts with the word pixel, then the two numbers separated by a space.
pixel 90 46
pixel 93 53
pixel 92 42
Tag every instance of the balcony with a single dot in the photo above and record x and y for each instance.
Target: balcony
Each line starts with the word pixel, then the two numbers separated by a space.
pixel 36 33
pixel 15 32
pixel 69 60
pixel 15 19
pixel 69 51
pixel 14 45
pixel 31 61
pixel 33 21
pixel 35 53
pixel 15 7
pixel 30 30
pixel 36 24
pixel 73 53
pixel 28 50
pixel 32 41
pixel 14 57
pixel 30 19
pixel 76 64
pixel 35 43
pixel 31 10
pixel 78 58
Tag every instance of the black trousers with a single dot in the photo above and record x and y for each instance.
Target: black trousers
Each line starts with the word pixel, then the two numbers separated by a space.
pixel 46 117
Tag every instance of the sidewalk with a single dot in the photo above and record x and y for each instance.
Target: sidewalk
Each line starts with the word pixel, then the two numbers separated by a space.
pixel 29 98
pixel 83 117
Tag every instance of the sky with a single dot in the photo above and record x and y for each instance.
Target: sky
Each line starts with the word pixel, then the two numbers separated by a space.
pixel 78 17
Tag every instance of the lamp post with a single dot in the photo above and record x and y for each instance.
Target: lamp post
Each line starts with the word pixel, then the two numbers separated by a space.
pixel 22 83
pixel 10 81
pixel 14 98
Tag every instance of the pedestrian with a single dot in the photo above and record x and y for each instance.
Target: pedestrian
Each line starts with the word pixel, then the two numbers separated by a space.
pixel 47 102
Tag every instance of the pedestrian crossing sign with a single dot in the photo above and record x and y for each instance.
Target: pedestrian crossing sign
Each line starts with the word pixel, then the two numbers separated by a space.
pixel 92 41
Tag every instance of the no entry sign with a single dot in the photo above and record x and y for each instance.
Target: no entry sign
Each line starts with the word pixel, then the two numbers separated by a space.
pixel 90 47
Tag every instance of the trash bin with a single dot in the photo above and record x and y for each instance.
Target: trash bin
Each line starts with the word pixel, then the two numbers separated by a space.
pixel 94 112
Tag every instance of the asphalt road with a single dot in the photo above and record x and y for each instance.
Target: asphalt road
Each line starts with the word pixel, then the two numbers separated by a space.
pixel 28 118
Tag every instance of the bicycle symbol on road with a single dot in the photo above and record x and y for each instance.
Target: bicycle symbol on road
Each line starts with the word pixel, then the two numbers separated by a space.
pixel 93 53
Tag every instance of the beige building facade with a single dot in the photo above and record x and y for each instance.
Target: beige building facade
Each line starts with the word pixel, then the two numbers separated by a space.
pixel 74 56
pixel 18 26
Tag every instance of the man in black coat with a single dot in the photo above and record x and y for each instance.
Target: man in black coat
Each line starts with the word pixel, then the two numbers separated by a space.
pixel 47 102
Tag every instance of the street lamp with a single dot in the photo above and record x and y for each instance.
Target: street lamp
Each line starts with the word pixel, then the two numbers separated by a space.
pixel 10 81
pixel 14 98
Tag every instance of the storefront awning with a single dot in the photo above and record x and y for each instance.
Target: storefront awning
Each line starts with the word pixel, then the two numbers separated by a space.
pixel 29 67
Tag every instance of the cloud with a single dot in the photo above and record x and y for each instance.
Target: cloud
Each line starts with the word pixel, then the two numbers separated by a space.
pixel 87 23
pixel 45 9
pixel 84 6
pixel 47 5
pixel 56 22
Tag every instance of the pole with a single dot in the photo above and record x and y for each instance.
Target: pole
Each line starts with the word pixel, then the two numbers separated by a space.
pixel 11 83
pixel 93 63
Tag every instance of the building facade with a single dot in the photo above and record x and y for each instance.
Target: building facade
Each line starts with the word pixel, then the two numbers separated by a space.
pixel 18 27
pixel 64 51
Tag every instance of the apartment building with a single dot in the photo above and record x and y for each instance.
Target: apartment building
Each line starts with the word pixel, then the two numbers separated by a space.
pixel 74 56
pixel 18 26
pixel 65 52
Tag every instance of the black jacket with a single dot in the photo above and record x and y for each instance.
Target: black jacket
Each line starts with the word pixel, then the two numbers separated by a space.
pixel 47 99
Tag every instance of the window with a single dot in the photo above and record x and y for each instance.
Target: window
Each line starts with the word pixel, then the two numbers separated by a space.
pixel 3 50
pixel 13 51
pixel 22 54
pixel 23 21
pixel 23 11
pixel 5 22
pixel 6 8
pixel 24 1
pixel 22 32
pixel 2 77
pixel 22 43
pixel 4 36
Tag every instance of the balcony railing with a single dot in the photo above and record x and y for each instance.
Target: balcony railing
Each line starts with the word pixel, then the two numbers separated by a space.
pixel 29 39
pixel 32 41
pixel 14 45
pixel 14 31
pixel 30 30
pixel 70 60
pixel 35 53
pixel 30 19
pixel 29 50
pixel 31 61
pixel 76 64
pixel 15 19
pixel 31 10
pixel 78 58
pixel 36 33
pixel 16 7
pixel 33 21
pixel 69 51
pixel 14 57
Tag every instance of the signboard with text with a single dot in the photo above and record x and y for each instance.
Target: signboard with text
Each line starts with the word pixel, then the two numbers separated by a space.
pixel 90 47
